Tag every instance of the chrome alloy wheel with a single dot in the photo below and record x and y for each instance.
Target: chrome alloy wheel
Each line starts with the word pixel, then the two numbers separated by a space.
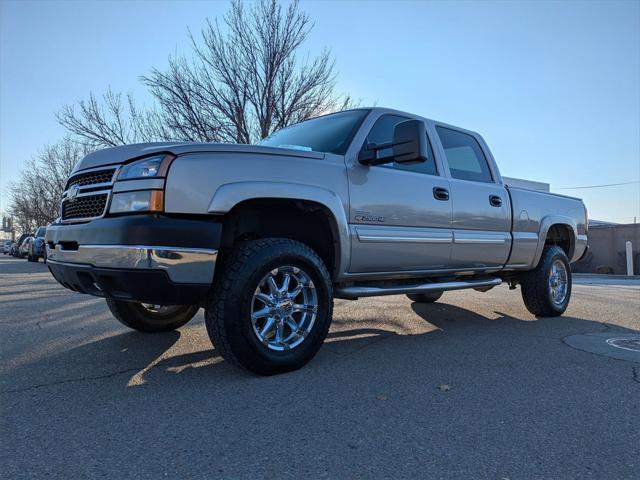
pixel 558 282
pixel 284 308
pixel 160 309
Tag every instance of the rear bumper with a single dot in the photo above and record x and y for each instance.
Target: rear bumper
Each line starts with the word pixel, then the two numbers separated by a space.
pixel 143 258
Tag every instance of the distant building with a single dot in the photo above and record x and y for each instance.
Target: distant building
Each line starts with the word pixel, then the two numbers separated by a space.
pixel 600 223
pixel 529 184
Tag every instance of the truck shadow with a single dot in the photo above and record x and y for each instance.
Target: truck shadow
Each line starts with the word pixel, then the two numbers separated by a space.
pixel 452 336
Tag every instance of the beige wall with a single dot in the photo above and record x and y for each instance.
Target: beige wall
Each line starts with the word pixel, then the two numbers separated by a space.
pixel 607 248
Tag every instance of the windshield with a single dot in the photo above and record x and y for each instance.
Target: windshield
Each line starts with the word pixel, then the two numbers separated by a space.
pixel 41 231
pixel 329 133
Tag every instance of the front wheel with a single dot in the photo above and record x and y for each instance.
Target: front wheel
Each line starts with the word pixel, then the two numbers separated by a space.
pixel 151 318
pixel 271 306
pixel 546 290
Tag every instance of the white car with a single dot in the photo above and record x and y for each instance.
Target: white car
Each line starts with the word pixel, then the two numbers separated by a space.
pixel 23 251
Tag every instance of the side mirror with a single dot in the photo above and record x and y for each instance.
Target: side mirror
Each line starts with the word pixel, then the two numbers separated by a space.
pixel 409 145
pixel 410 142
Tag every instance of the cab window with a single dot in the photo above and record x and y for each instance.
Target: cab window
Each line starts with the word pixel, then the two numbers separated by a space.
pixel 464 156
pixel 382 132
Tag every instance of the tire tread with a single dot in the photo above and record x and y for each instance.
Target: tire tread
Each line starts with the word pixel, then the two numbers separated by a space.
pixel 226 289
pixel 534 284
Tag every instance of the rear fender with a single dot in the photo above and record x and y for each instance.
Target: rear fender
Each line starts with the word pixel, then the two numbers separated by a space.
pixel 546 223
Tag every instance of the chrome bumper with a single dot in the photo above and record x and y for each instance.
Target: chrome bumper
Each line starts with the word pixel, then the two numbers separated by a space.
pixel 183 265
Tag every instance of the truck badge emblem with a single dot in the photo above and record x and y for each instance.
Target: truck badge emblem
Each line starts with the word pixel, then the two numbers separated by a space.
pixel 73 192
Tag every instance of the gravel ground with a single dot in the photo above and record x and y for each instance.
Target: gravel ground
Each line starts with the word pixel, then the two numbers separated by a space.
pixel 470 387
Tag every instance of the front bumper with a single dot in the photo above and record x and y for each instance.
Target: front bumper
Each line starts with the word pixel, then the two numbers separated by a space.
pixel 144 267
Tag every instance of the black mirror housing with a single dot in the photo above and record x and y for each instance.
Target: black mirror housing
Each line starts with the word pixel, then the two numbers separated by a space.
pixel 410 142
pixel 409 145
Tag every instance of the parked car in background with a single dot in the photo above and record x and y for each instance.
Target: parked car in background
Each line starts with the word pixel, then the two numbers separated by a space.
pixel 23 251
pixel 6 246
pixel 36 247
pixel 15 249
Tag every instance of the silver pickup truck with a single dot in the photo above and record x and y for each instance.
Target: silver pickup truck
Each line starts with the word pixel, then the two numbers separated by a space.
pixel 353 204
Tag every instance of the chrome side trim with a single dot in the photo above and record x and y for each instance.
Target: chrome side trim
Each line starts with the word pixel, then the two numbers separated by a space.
pixel 183 265
pixel 369 234
pixel 354 292
pixel 371 238
pixel 486 241
pixel 481 238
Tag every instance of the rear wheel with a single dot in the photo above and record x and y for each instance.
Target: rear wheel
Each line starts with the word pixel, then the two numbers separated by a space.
pixel 425 297
pixel 149 318
pixel 546 290
pixel 270 309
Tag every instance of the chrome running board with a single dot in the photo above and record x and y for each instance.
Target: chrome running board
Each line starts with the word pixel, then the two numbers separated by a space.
pixel 355 291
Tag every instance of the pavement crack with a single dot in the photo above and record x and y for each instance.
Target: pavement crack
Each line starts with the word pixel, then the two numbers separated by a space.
pixel 636 374
pixel 70 380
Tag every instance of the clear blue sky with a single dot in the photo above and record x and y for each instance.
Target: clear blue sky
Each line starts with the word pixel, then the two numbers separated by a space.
pixel 554 87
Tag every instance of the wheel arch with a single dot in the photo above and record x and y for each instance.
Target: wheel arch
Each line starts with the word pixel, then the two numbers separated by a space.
pixel 307 205
pixel 556 230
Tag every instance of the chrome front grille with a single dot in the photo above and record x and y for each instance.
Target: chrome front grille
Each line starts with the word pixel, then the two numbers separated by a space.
pixel 88 206
pixel 91 178
pixel 87 195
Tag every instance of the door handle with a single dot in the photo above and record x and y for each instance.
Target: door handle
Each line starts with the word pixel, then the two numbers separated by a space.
pixel 495 201
pixel 440 193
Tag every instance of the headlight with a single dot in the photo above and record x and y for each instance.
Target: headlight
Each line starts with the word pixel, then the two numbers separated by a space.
pixel 138 201
pixel 147 167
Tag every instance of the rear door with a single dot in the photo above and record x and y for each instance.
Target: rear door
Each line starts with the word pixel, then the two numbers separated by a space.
pixel 481 221
pixel 396 222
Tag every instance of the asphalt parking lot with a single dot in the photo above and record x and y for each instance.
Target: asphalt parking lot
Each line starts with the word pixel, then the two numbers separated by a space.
pixel 470 387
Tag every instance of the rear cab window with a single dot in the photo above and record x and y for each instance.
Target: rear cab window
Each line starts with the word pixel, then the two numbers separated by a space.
pixel 464 155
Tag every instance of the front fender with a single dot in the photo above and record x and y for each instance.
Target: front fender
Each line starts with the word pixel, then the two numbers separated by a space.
pixel 229 195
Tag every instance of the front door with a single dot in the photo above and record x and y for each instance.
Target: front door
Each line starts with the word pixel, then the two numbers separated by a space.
pixel 397 223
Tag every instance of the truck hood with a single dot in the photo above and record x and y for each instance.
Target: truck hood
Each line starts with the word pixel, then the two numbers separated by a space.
pixel 117 155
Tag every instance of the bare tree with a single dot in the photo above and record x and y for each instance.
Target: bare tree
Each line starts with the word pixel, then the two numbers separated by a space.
pixel 35 197
pixel 112 120
pixel 243 80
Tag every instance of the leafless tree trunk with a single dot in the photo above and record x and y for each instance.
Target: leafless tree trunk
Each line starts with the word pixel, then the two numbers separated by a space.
pixel 243 80
pixel 35 197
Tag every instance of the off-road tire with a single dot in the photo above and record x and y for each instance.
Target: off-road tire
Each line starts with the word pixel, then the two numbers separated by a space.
pixel 227 310
pixel 425 297
pixel 535 284
pixel 134 315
